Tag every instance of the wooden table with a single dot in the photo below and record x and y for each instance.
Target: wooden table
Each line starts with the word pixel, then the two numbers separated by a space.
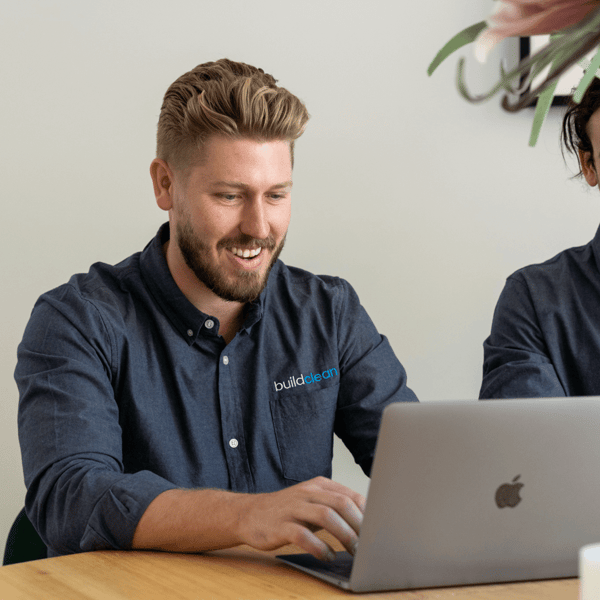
pixel 235 574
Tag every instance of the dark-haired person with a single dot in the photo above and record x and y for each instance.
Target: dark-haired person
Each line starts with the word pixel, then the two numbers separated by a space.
pixel 545 335
pixel 186 398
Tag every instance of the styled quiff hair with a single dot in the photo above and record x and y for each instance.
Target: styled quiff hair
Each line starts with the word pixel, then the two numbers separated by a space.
pixel 225 98
pixel 574 133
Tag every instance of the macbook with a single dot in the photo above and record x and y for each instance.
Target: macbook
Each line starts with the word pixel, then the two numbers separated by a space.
pixel 471 492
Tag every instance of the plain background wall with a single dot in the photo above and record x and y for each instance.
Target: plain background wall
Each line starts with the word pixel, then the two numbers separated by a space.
pixel 422 201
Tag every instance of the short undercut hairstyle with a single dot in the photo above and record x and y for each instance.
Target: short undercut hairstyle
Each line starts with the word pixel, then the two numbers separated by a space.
pixel 574 135
pixel 225 98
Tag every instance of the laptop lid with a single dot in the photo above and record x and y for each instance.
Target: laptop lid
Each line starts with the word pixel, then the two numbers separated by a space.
pixel 468 492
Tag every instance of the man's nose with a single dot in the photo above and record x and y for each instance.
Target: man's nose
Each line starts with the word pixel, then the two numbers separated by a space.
pixel 254 219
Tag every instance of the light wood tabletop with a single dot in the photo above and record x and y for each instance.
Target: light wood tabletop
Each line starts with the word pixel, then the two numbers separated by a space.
pixel 234 574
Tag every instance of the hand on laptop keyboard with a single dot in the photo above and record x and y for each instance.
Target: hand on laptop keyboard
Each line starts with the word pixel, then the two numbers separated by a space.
pixel 290 516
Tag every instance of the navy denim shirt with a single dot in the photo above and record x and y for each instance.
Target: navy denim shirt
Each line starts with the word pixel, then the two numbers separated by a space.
pixel 545 338
pixel 127 390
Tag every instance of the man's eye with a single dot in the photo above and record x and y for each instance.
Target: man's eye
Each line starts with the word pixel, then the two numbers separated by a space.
pixel 229 197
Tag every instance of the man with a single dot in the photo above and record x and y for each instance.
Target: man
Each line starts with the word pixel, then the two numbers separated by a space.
pixel 186 398
pixel 545 337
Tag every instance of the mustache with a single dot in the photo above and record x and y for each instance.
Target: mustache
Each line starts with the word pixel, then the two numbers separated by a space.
pixel 247 241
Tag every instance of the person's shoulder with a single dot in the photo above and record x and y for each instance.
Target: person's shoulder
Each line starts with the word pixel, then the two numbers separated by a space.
pixel 303 297
pixel 556 268
pixel 102 285
pixel 301 281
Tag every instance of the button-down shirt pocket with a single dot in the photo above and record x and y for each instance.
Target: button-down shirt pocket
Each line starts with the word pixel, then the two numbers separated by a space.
pixel 303 423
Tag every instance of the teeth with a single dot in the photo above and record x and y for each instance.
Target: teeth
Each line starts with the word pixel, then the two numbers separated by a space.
pixel 246 253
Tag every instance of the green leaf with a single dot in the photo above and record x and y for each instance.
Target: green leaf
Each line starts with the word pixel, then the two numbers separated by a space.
pixel 466 36
pixel 590 72
pixel 545 98
pixel 541 111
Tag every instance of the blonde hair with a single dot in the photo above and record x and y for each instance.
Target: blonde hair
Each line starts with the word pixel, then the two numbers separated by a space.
pixel 225 98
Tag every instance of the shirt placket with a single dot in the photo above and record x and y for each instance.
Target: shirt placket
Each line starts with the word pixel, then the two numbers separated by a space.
pixel 232 426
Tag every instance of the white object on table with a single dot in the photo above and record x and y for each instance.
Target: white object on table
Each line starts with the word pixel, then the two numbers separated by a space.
pixel 589 572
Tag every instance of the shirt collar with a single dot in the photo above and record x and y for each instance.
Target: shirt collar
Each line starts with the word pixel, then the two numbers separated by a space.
pixel 184 316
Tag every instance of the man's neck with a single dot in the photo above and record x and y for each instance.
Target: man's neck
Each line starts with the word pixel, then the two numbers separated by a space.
pixel 230 314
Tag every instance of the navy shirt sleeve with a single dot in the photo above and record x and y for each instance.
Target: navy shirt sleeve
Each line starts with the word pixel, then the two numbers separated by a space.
pixel 517 362
pixel 371 377
pixel 79 497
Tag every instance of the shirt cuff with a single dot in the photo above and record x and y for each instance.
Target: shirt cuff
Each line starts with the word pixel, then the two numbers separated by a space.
pixel 114 519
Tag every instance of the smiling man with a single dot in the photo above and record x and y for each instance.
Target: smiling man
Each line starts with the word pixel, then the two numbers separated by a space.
pixel 186 398
pixel 229 215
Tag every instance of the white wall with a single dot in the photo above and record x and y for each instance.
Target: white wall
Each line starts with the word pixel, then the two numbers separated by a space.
pixel 423 202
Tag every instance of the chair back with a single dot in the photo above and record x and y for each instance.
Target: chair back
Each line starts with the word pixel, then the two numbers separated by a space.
pixel 23 543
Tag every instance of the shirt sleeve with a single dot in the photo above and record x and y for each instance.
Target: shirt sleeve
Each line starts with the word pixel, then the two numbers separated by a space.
pixel 516 358
pixel 79 496
pixel 371 377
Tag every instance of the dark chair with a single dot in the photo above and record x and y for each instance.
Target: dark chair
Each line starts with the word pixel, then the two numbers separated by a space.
pixel 23 543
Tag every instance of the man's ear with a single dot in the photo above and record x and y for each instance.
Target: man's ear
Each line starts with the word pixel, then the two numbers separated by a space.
pixel 162 180
pixel 588 167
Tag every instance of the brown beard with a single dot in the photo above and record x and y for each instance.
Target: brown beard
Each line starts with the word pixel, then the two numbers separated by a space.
pixel 247 285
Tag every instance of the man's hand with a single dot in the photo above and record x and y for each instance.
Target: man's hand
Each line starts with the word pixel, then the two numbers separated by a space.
pixel 290 516
pixel 199 520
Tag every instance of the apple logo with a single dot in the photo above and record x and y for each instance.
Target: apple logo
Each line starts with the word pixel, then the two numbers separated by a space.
pixel 508 493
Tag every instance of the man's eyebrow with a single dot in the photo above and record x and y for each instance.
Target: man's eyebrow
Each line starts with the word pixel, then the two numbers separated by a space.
pixel 245 186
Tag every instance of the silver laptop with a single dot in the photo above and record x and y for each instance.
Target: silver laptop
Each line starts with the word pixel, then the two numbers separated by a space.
pixel 468 492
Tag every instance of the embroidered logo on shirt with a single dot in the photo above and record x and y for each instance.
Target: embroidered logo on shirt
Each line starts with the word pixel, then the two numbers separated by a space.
pixel 304 379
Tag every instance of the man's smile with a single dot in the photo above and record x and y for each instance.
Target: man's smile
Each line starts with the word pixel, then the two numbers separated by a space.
pixel 246 253
pixel 247 259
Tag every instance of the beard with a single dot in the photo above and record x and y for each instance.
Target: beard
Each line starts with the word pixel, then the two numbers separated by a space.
pixel 244 286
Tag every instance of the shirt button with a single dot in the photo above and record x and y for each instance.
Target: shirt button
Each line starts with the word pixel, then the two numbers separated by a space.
pixel 226 360
pixel 209 324
pixel 190 332
pixel 233 443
